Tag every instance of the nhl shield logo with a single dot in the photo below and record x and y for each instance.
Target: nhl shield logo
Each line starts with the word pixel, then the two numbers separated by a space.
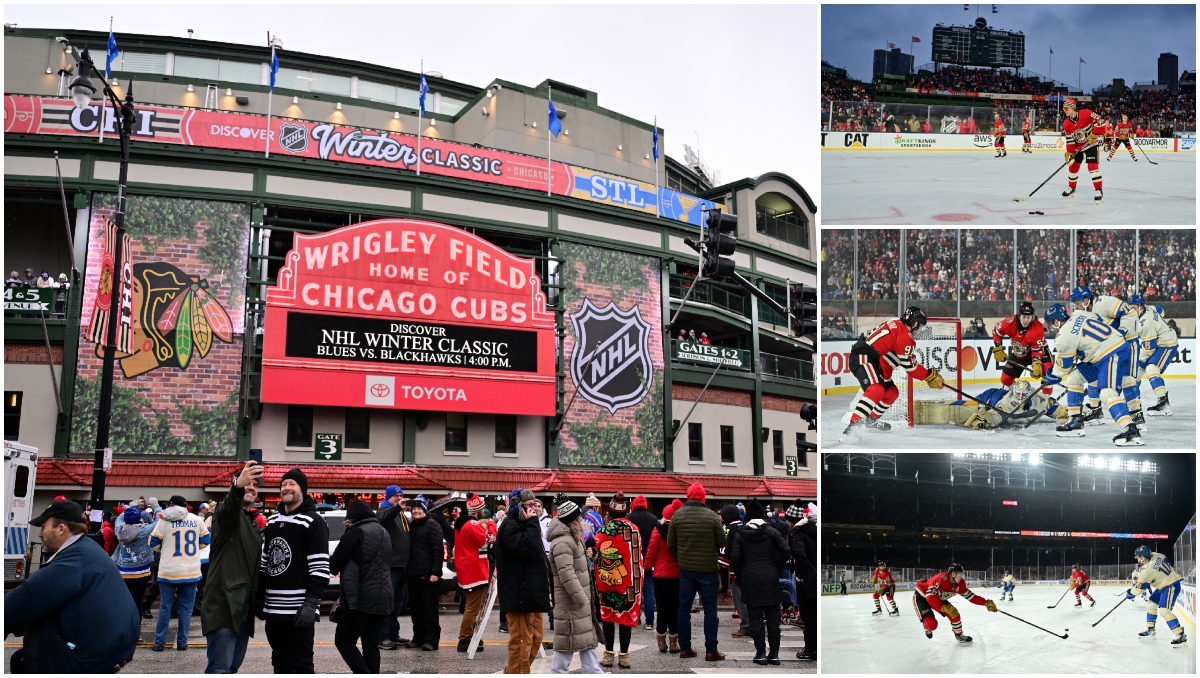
pixel 293 138
pixel 611 361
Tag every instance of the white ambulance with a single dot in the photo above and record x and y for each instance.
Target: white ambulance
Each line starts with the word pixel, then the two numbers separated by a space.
pixel 20 472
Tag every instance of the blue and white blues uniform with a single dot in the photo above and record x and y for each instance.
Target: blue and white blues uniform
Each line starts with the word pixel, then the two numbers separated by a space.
pixel 1159 346
pixel 1157 576
pixel 1100 354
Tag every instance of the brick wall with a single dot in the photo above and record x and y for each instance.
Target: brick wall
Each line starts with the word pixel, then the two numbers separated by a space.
pixel 781 404
pixel 31 354
pixel 713 396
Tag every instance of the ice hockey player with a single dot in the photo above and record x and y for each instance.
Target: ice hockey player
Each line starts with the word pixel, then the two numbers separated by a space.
pixel 1081 147
pixel 1159 345
pixel 874 359
pixel 1084 344
pixel 998 132
pixel 1024 401
pixel 1122 317
pixel 885 585
pixel 1081 583
pixel 1028 346
pixel 933 595
pixel 1105 130
pixel 1007 584
pixel 1123 131
pixel 1156 573
pixel 1026 145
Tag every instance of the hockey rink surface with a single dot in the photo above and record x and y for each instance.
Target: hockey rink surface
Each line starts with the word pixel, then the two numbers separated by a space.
pixel 1177 431
pixel 855 641
pixel 865 188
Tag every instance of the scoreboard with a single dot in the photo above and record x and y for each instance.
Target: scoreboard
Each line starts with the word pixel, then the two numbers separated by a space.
pixel 978 45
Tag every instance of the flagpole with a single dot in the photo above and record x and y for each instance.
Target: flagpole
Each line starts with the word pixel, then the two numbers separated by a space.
pixel 549 166
pixel 104 106
pixel 657 197
pixel 420 115
pixel 270 99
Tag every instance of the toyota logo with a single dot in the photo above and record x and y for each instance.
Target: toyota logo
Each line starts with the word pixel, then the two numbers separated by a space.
pixel 380 390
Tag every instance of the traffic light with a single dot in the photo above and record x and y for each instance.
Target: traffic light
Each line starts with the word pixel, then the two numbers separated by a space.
pixel 803 300
pixel 808 412
pixel 720 240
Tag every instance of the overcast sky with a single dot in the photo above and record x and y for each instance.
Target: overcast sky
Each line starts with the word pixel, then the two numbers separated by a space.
pixel 1121 41
pixel 743 77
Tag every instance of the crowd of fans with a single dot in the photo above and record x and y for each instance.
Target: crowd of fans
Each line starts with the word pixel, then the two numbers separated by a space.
pixel 959 79
pixel 1172 109
pixel 836 88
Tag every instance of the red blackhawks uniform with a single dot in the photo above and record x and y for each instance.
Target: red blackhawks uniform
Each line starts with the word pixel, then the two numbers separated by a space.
pixel 1083 130
pixel 1026 146
pixel 998 132
pixel 885 585
pixel 1028 348
pixel 1081 583
pixel 933 595
pixel 1123 131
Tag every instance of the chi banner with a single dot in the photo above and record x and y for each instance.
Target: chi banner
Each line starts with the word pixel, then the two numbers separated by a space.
pixel 98 331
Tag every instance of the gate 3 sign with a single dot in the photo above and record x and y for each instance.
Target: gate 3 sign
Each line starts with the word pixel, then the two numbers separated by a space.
pixel 408 314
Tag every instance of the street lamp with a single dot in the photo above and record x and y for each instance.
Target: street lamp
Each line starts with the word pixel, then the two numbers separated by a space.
pixel 82 89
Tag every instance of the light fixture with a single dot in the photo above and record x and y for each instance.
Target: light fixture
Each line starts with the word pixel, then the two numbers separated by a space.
pixel 295 100
pixel 483 110
pixel 620 147
pixel 82 89
pixel 228 91
pixel 647 156
pixel 190 88
pixel 115 83
pixel 490 93
pixel 535 123
pixel 567 132
pixel 432 122
pixel 68 49
pixel 339 106
pixel 396 115
pixel 49 71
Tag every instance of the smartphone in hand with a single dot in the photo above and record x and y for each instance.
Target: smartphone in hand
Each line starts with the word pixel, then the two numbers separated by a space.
pixel 256 455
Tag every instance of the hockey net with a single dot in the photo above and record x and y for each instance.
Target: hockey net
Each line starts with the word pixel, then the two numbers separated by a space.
pixel 947 332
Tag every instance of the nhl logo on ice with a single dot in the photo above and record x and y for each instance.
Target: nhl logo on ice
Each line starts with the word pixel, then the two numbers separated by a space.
pixel 293 138
pixel 611 361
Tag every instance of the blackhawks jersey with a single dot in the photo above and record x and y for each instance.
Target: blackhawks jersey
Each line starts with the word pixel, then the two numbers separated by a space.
pixel 939 588
pixel 883 577
pixel 1028 342
pixel 998 128
pixel 1123 130
pixel 896 348
pixel 1079 578
pixel 1077 130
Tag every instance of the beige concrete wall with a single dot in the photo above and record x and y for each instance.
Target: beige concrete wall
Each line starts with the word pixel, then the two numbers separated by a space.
pixel 387 435
pixel 712 417
pixel 791 424
pixel 481 443
pixel 39 413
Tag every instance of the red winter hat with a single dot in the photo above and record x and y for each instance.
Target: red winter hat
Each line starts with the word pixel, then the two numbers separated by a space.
pixel 618 504
pixel 60 498
pixel 671 509
pixel 638 502
pixel 696 492
pixel 474 503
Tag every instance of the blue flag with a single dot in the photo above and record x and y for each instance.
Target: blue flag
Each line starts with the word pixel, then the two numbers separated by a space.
pixel 994 10
pixel 110 55
pixel 656 140
pixel 555 123
pixel 424 90
pixel 274 68
pixel 1052 50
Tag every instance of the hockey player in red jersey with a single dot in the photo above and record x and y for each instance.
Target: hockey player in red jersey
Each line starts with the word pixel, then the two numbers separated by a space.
pixel 1123 131
pixel 998 132
pixel 1026 145
pixel 1106 133
pixel 1081 583
pixel 1082 142
pixel 1028 348
pixel 873 360
pixel 933 595
pixel 885 585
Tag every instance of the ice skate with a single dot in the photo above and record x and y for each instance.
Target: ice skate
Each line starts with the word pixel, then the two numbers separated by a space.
pixel 1180 640
pixel 962 637
pixel 1072 429
pixel 1130 438
pixel 894 612
pixel 1162 408
pixel 1069 193
pixel 877 611
pixel 877 424
pixel 1092 414
pixel 1099 196
pixel 1078 604
pixel 929 634
pixel 853 432
pixel 1148 633
pixel 1139 420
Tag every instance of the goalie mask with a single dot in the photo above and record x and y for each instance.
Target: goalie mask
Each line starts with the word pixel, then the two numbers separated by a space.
pixel 1023 389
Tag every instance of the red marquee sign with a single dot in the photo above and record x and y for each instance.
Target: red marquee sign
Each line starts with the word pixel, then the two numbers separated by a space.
pixel 412 315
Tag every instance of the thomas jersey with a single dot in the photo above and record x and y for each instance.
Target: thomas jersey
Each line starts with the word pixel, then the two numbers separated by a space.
pixel 180 542
pixel 940 585
pixel 1124 129
pixel 895 345
pixel 1117 314
pixel 1077 130
pixel 1157 573
pixel 883 578
pixel 1083 338
pixel 1079 578
pixel 1031 341
pixel 1154 332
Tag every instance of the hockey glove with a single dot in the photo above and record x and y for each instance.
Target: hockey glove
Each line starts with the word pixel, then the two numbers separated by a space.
pixel 934 380
pixel 308 614
pixel 1092 139
pixel 949 610
pixel 1036 369
pixel 1000 355
pixel 1067 156
pixel 991 607
pixel 1129 594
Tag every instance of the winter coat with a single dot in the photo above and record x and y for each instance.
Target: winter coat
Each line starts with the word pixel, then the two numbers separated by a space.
pixel 233 562
pixel 110 538
pixel 757 552
pixel 473 537
pixel 803 543
pixel 361 558
pixel 522 569
pixel 658 556
pixel 695 536
pixel 133 555
pixel 78 597
pixel 426 551
pixel 645 522
pixel 395 521
pixel 618 562
pixel 576 626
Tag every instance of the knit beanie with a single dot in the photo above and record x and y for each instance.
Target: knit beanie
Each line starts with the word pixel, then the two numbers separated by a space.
pixel 132 516
pixel 638 502
pixel 696 493
pixel 568 510
pixel 392 489
pixel 419 502
pixel 618 504
pixel 592 500
pixel 795 512
pixel 298 476
pixel 474 504
pixel 358 510
pixel 755 511
pixel 671 509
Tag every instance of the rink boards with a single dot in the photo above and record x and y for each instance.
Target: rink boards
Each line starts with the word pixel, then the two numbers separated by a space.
pixel 976 361
pixel 918 141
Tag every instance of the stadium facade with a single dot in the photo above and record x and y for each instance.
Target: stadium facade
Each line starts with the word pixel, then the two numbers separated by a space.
pixel 240 342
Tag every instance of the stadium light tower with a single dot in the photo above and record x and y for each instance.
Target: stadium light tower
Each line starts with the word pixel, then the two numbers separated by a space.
pixel 1106 472
pixel 861 461
pixel 1009 466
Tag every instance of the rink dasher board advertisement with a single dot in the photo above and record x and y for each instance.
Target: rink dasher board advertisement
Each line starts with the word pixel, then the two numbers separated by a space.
pixel 920 141
pixel 977 362
pixel 980 586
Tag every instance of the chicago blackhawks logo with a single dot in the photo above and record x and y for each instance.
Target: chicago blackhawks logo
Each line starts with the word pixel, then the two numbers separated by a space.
pixel 279 556
pixel 611 361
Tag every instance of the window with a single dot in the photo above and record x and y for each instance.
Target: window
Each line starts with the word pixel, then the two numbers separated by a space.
pixel 506 434
pixel 789 225
pixel 777 445
pixel 695 442
pixel 358 428
pixel 330 84
pixel 21 482
pixel 291 78
pixel 239 71
pixel 12 414
pixel 140 62
pixel 196 67
pixel 374 91
pixel 801 452
pixel 300 426
pixel 456 432
pixel 726 444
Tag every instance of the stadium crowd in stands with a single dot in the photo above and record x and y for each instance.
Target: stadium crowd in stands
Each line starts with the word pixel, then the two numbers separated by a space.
pixel 959 79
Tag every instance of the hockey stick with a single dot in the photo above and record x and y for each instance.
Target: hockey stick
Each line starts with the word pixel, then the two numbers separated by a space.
pixel 1060 599
pixel 1023 198
pixel 1004 416
pixel 1139 145
pixel 1110 611
pixel 1063 636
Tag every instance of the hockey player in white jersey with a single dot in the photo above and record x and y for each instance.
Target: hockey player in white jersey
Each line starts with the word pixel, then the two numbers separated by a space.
pixel 1157 574
pixel 1123 318
pixel 1006 586
pixel 1083 344
pixel 1159 345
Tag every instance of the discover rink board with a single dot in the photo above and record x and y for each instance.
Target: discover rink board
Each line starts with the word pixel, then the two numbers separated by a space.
pixel 876 178
pixel 855 641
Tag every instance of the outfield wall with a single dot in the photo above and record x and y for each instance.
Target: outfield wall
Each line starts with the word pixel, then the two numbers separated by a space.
pixel 918 141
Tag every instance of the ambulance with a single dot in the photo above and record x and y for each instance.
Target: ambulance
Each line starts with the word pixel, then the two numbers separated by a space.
pixel 20 472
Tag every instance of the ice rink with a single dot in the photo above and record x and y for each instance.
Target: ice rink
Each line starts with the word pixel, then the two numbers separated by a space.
pixel 855 641
pixel 864 188
pixel 1177 431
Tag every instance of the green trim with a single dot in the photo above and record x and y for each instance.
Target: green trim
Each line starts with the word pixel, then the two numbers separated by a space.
pixel 756 397
pixel 753 182
pixel 29 330
pixel 409 446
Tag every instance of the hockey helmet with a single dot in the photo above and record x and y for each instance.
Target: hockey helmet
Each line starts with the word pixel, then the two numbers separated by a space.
pixel 1070 103
pixel 1137 300
pixel 914 317
pixel 1055 314
pixel 1080 293
pixel 1023 388
pixel 1026 308
pixel 1142 551
pixel 1075 567
pixel 882 565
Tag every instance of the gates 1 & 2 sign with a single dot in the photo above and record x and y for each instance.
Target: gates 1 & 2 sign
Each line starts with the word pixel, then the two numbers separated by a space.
pixel 408 314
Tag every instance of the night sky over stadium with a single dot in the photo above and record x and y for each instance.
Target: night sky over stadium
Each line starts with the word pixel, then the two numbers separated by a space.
pixel 1121 41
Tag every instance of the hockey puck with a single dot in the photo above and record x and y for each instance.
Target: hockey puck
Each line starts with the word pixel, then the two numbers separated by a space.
pixel 1038 212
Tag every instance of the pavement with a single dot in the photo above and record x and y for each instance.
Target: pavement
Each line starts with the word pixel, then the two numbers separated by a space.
pixel 645 657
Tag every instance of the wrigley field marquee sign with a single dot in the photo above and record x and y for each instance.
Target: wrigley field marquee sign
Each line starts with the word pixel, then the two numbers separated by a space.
pixel 408 314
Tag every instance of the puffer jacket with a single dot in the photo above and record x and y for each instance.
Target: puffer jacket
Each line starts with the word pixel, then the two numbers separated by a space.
pixel 658 557
pixel 695 536
pixel 133 555
pixel 757 552
pixel 576 626
pixel 426 550
pixel 361 558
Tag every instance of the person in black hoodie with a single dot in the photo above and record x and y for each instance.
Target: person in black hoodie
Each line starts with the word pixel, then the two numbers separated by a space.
pixel 361 559
pixel 295 558
pixel 523 579
pixel 645 522
pixel 757 552
pixel 424 575
pixel 732 518
pixel 393 519
pixel 803 542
